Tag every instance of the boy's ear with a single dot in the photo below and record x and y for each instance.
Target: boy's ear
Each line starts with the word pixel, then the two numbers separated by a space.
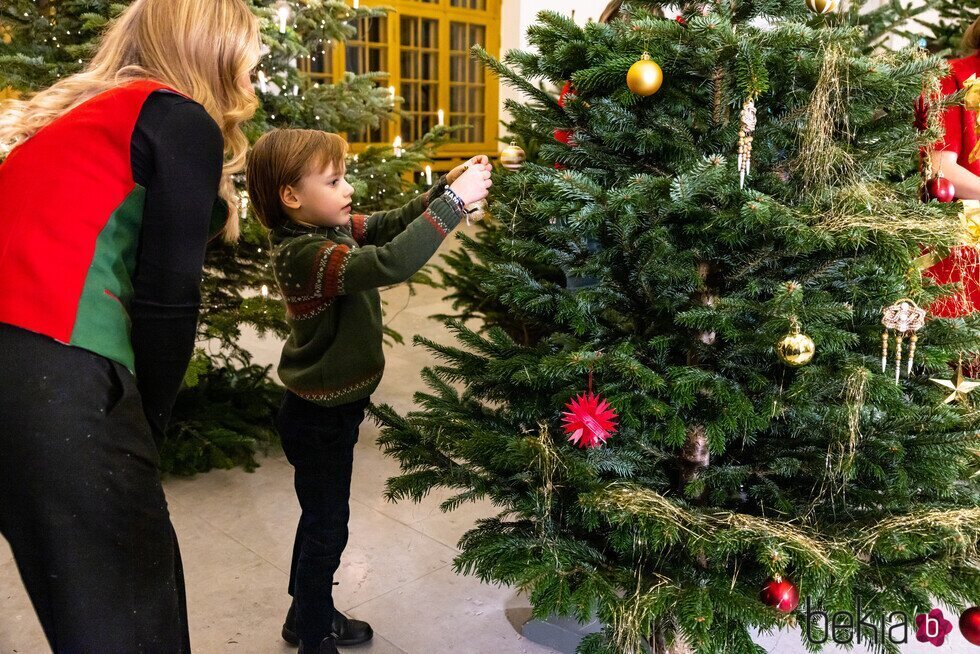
pixel 287 195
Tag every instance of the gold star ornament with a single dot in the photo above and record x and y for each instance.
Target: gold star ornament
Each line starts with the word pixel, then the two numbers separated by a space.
pixel 959 385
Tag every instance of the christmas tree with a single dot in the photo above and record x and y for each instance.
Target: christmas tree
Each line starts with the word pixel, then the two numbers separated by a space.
pixel 226 411
pixel 738 403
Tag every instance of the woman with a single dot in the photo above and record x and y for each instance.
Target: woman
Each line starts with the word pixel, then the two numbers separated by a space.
pixel 106 197
pixel 952 156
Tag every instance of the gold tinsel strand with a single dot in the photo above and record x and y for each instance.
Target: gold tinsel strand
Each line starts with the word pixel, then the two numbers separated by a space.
pixel 821 161
pixel 840 456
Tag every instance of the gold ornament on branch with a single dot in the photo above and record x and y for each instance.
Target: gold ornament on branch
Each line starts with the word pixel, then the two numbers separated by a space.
pixel 796 348
pixel 512 157
pixel 959 385
pixel 745 140
pixel 905 318
pixel 822 6
pixel 645 76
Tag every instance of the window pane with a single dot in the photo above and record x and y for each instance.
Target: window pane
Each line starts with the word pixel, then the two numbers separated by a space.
pixel 457 36
pixel 430 32
pixel 409 27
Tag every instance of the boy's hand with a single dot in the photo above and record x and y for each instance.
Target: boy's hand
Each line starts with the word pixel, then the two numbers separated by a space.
pixel 478 160
pixel 471 186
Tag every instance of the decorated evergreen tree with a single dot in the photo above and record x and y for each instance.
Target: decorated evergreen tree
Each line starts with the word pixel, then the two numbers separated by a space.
pixel 745 405
pixel 226 411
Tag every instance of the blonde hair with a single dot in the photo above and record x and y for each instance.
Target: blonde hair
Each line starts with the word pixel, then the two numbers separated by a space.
pixel 282 158
pixel 971 40
pixel 204 49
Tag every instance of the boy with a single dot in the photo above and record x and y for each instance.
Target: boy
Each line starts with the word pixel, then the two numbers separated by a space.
pixel 329 264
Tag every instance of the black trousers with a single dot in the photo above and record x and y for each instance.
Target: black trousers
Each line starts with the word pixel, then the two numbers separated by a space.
pixel 319 443
pixel 81 502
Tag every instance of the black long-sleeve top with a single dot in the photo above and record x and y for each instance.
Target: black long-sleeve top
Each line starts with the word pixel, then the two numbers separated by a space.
pixel 177 154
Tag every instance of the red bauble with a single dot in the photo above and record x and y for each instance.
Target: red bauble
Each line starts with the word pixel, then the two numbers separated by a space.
pixel 970 625
pixel 780 594
pixel 941 189
pixel 564 136
pixel 680 19
pixel 589 420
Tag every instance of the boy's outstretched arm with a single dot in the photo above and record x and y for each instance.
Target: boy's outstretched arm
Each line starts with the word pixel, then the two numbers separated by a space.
pixel 313 269
pixel 382 226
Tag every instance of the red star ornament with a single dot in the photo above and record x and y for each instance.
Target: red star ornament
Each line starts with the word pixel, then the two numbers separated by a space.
pixel 589 420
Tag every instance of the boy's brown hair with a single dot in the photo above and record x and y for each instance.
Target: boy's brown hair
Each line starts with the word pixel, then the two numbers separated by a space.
pixel 282 158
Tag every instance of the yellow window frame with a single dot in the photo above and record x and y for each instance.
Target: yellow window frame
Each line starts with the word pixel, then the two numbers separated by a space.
pixel 446 14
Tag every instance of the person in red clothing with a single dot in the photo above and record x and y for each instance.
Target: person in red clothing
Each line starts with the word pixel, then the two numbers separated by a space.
pixel 951 156
pixel 109 181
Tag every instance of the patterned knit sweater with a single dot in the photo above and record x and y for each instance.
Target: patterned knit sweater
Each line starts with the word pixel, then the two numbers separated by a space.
pixel 329 278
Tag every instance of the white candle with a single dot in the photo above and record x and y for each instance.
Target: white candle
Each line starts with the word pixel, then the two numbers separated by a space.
pixel 428 175
pixel 262 82
pixel 442 117
pixel 283 17
pixel 397 145
pixel 391 92
pixel 265 291
pixel 356 4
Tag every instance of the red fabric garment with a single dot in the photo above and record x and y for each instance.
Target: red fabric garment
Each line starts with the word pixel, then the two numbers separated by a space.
pixel 960 123
pixel 61 190
pixel 963 264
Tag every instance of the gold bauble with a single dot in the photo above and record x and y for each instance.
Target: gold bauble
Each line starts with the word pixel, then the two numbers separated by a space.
pixel 645 76
pixel 795 349
pixel 512 157
pixel 822 6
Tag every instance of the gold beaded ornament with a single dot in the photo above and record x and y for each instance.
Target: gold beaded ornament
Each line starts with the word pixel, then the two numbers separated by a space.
pixel 905 318
pixel 745 140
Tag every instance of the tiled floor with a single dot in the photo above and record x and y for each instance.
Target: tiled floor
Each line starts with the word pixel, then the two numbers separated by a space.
pixel 236 532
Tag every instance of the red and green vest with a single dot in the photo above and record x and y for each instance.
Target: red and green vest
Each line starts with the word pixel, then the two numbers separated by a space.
pixel 70 217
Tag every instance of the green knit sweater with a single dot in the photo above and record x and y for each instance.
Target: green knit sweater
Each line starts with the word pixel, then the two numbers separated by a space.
pixel 329 278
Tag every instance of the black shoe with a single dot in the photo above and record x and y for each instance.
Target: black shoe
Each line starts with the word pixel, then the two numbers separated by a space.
pixel 348 632
pixel 328 646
